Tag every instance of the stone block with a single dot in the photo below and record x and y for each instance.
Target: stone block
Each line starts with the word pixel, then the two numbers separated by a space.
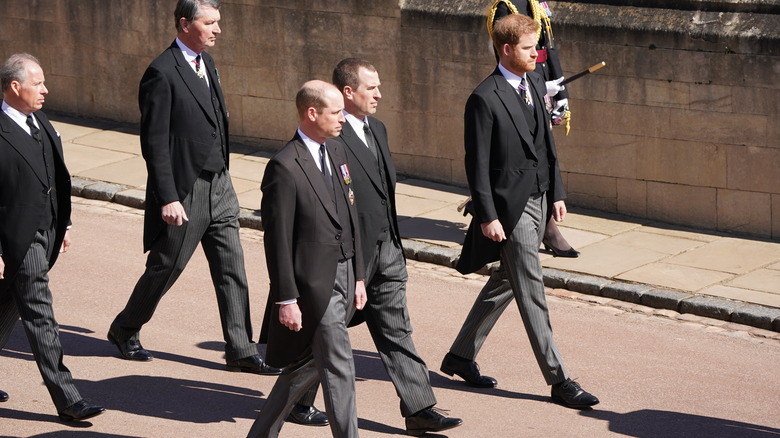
pixel 656 155
pixel 631 197
pixel 592 191
pixel 776 216
pixel 101 191
pixel 756 316
pixel 712 97
pixel 412 248
pixel 629 292
pixel 744 212
pixel 278 116
pixel 664 299
pixel 682 204
pixel 77 185
pixel 587 284
pixel 438 255
pixel 556 279
pixel 726 128
pixel 749 168
pixel 588 150
pixel 710 307
pixel 250 219
pixel 132 198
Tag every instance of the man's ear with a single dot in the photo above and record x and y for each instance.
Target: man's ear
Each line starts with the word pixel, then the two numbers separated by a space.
pixel 311 114
pixel 348 92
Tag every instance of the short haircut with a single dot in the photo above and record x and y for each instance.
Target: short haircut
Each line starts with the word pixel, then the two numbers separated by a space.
pixel 15 69
pixel 509 29
pixel 347 72
pixel 311 94
pixel 190 10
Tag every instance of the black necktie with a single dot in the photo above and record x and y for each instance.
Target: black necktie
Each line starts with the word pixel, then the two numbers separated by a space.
pixel 34 131
pixel 324 167
pixel 200 70
pixel 524 92
pixel 370 141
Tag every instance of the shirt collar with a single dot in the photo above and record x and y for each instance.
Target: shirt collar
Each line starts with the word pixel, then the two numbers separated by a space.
pixel 313 147
pixel 513 79
pixel 356 124
pixel 17 116
pixel 189 54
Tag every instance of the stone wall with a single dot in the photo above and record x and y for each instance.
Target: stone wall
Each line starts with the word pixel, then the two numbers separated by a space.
pixel 680 126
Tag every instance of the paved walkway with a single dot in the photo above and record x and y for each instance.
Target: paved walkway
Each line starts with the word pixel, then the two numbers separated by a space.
pixel 704 273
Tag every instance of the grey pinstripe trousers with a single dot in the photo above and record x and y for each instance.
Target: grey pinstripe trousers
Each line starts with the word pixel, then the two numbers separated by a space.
pixel 212 208
pixel 328 360
pixel 520 276
pixel 388 322
pixel 30 297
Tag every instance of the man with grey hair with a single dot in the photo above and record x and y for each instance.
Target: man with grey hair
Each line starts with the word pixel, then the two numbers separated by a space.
pixel 190 199
pixel 34 227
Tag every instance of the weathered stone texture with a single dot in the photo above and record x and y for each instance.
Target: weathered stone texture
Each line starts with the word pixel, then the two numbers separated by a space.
pixel 681 125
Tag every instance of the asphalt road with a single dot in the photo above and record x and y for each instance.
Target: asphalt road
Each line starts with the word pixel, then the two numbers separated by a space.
pixel 655 376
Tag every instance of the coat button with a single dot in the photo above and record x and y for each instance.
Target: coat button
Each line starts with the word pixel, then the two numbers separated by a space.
pixel 338 236
pixel 536 164
pixel 214 134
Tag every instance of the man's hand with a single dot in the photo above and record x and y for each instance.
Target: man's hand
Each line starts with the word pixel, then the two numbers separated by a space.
pixel 2 268
pixel 66 241
pixel 360 295
pixel 290 316
pixel 173 214
pixel 554 86
pixel 493 231
pixel 559 211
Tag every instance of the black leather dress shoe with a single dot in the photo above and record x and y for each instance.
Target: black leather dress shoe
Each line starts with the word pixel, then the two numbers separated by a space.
pixel 252 364
pixel 3 396
pixel 131 349
pixel 570 394
pixel 81 410
pixel 429 420
pixel 557 252
pixel 468 370
pixel 307 416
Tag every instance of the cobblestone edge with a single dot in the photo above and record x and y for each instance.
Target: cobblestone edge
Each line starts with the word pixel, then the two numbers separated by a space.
pixel 670 303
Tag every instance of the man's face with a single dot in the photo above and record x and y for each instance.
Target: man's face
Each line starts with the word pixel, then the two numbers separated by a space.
pixel 364 100
pixel 202 32
pixel 329 120
pixel 520 58
pixel 30 93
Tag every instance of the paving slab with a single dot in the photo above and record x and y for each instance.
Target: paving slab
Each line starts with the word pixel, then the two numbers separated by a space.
pixel 747 295
pixel 445 227
pixel 251 170
pixel 674 276
pixel 130 172
pixel 80 159
pixel 729 254
pixel 70 128
pixel 413 206
pixel 431 190
pixel 599 224
pixel 111 140
pixel 765 280
pixel 606 259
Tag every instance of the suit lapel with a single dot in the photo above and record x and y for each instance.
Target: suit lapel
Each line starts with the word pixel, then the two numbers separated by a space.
pixel 21 141
pixel 364 156
pixel 384 149
pixel 208 62
pixel 199 90
pixel 314 176
pixel 508 97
